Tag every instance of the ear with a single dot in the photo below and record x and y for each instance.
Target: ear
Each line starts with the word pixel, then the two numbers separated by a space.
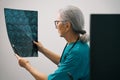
pixel 68 26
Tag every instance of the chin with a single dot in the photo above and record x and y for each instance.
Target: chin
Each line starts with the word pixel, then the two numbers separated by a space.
pixel 61 36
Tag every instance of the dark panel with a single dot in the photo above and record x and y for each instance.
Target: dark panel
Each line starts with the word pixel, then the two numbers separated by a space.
pixel 22 30
pixel 105 46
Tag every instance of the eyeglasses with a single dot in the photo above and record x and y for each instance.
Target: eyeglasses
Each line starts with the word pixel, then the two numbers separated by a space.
pixel 57 21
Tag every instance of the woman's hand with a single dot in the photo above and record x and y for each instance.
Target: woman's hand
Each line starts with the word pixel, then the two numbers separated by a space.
pixel 39 45
pixel 22 61
pixel 35 73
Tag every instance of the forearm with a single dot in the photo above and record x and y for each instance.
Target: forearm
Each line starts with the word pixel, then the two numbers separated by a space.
pixel 51 55
pixel 37 75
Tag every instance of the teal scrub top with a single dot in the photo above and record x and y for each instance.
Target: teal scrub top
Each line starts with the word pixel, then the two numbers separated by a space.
pixel 74 63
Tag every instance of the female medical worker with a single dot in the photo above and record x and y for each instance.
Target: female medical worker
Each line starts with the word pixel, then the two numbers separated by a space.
pixel 74 62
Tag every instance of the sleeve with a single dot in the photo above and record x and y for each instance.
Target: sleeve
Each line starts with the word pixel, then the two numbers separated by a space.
pixel 59 76
pixel 66 67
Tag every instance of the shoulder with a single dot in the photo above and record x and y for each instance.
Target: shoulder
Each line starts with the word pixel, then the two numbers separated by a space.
pixel 80 50
pixel 80 46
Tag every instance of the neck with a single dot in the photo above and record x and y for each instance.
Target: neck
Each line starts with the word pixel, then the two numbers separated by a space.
pixel 72 38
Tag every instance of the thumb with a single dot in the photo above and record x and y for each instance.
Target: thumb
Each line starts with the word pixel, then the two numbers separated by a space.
pixel 17 56
pixel 35 42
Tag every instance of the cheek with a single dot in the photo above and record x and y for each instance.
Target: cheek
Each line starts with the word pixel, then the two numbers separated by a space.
pixel 61 31
pixel 59 28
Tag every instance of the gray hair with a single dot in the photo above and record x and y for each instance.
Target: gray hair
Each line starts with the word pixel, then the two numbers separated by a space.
pixel 76 18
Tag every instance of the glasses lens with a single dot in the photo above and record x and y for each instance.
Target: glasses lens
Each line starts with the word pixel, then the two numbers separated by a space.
pixel 56 22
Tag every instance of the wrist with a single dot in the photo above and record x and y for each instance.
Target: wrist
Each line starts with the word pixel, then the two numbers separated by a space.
pixel 27 65
pixel 42 50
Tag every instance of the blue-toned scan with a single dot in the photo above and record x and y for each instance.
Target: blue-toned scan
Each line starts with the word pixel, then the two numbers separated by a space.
pixel 22 29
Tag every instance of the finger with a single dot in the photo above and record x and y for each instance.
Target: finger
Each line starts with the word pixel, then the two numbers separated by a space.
pixel 35 42
pixel 18 57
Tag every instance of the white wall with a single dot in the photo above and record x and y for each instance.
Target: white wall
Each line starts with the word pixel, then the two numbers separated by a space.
pixel 9 68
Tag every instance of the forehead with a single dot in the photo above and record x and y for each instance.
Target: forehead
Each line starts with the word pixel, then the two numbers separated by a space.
pixel 59 17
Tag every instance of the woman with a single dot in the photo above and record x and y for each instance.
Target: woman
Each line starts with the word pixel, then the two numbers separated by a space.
pixel 74 62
